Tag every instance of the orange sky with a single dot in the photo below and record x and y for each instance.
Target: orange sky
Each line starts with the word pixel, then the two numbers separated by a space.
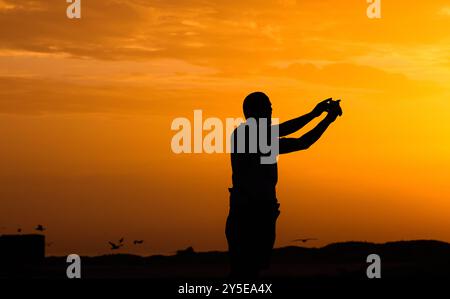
pixel 86 107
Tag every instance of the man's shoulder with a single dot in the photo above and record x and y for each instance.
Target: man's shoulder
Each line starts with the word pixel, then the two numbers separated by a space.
pixel 238 129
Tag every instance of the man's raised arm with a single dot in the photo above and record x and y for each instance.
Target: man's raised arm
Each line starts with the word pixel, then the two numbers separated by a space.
pixel 293 125
pixel 288 145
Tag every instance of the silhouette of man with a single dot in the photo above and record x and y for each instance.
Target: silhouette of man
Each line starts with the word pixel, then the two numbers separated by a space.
pixel 254 208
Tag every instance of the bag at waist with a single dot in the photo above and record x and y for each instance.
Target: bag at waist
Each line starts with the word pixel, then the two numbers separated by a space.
pixel 241 198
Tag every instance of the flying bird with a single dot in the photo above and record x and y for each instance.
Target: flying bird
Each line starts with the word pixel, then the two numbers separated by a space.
pixel 115 246
pixel 304 240
pixel 135 242
pixel 40 228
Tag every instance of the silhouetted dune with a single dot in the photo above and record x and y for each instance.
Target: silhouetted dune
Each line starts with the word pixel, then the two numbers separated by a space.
pixel 422 259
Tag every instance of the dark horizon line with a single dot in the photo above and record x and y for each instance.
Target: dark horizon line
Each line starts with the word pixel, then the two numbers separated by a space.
pixel 182 251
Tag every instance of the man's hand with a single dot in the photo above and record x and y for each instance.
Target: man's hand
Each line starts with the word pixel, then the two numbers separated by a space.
pixel 334 110
pixel 321 107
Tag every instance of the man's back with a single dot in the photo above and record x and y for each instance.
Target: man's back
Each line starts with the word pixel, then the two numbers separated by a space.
pixel 250 176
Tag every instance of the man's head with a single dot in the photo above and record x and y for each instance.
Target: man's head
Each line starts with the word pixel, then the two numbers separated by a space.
pixel 257 105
